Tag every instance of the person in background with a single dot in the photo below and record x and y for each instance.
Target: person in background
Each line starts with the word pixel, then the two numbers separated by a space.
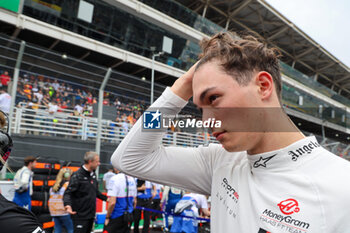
pixel 190 205
pixel 5 79
pixel 60 216
pixel 5 100
pixel 23 183
pixel 171 196
pixel 145 193
pixel 121 198
pixel 156 202
pixel 80 197
pixel 107 176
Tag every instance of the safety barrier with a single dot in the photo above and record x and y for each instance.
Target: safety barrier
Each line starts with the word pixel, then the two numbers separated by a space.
pixel 65 124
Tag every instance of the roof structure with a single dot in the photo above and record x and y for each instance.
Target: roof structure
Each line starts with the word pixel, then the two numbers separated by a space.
pixel 299 50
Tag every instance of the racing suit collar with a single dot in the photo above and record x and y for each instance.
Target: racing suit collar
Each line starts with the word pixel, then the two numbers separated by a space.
pixel 286 157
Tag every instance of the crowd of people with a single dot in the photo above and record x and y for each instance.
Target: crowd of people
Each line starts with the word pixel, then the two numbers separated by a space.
pixel 56 95
pixel 72 200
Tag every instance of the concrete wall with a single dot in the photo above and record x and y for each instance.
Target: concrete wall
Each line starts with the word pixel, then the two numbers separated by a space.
pixel 64 149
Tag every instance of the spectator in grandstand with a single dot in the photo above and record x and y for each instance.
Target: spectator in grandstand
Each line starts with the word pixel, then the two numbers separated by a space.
pixel 191 204
pixel 78 107
pixel 107 177
pixel 53 107
pixel 56 85
pixel 5 79
pixel 90 98
pixel 145 193
pixel 60 216
pixel 27 89
pixel 116 103
pixel 23 183
pixel 35 87
pixel 20 96
pixel 80 196
pixel 79 97
pixel 39 95
pixel 32 107
pixel 171 196
pixel 67 97
pixel 121 203
pixel 130 119
pixel 125 126
pixel 46 99
pixel 5 100
pixel 62 106
pixel 266 167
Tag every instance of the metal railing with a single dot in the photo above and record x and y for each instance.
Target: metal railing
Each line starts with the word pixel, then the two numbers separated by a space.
pixel 65 124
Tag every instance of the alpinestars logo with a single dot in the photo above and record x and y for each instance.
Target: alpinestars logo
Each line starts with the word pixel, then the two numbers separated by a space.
pixel 305 149
pixel 262 161
pixel 289 206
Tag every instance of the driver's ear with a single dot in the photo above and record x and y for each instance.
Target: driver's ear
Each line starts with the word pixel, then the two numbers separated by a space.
pixel 265 84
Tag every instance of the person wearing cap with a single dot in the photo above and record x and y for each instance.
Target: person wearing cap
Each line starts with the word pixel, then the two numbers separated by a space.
pixel 23 182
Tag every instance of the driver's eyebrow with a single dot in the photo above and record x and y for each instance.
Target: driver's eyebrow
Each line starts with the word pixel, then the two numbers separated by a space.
pixel 204 93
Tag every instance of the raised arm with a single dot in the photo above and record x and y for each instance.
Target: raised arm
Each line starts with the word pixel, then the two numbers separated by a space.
pixel 142 155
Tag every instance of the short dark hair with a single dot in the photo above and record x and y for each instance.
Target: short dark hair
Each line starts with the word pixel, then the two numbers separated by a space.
pixel 241 56
pixel 29 159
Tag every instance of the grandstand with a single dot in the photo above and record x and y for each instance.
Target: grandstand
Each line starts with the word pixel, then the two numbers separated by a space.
pixel 69 49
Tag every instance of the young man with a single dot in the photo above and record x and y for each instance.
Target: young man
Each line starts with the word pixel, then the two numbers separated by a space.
pixel 23 183
pixel 80 197
pixel 121 198
pixel 266 176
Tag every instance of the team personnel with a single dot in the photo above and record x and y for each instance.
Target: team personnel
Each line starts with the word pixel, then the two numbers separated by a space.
pixel 121 199
pixel 80 197
pixel 190 205
pixel 145 193
pixel 107 176
pixel 156 201
pixel 23 183
pixel 171 196
pixel 60 216
pixel 266 176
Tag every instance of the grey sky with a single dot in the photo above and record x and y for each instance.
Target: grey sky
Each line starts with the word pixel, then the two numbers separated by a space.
pixel 326 21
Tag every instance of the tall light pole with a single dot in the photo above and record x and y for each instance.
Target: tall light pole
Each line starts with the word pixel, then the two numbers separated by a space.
pixel 152 79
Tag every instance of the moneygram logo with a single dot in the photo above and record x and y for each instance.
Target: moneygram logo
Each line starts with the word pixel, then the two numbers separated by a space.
pixel 156 120
pixel 289 206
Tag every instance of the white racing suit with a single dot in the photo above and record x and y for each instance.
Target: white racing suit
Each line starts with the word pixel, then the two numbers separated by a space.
pixel 301 188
